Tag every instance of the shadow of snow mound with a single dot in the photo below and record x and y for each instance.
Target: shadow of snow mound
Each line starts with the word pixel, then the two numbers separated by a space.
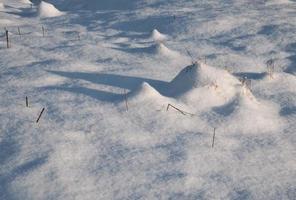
pixel 251 75
pixel 97 4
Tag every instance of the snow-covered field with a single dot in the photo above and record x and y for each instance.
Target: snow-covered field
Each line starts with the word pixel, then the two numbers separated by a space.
pixel 112 74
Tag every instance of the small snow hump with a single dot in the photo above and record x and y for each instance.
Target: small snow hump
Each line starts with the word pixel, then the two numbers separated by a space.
pixel 26 1
pixel 48 10
pixel 158 37
pixel 165 51
pixel 202 75
pixel 145 91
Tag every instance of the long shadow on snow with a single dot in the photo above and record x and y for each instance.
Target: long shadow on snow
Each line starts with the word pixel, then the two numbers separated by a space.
pixel 125 82
pixel 233 43
pixel 250 75
pixel 269 29
pixel 162 23
pixel 138 50
pixel 129 27
pixel 226 109
pixel 292 66
pixel 23 169
pixel 8 148
pixel 97 5
pixel 93 20
pixel 288 110
pixel 96 94
pixel 24 12
pixel 291 48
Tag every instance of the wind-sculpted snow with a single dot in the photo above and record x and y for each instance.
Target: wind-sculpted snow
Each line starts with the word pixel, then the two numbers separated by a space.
pixel 148 99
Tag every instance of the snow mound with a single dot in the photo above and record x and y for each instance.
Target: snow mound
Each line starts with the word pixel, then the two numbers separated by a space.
pixel 1 6
pixel 201 75
pixel 163 50
pixel 253 116
pixel 158 37
pixel 48 10
pixel 26 1
pixel 144 92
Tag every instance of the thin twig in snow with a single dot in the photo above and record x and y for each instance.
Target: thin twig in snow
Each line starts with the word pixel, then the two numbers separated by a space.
pixel 213 141
pixel 40 115
pixel 181 111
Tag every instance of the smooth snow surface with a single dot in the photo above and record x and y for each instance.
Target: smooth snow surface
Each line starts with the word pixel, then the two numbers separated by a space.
pixel 48 10
pixel 133 91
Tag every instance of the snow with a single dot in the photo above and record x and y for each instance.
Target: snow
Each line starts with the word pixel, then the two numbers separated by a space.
pixel 133 91
pixel 26 1
pixel 146 91
pixel 48 10
pixel 274 2
pixel 165 51
pixel 200 74
pixel 158 37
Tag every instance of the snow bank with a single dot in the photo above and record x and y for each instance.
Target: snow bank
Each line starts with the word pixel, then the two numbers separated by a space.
pixel 1 6
pixel 158 37
pixel 48 10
